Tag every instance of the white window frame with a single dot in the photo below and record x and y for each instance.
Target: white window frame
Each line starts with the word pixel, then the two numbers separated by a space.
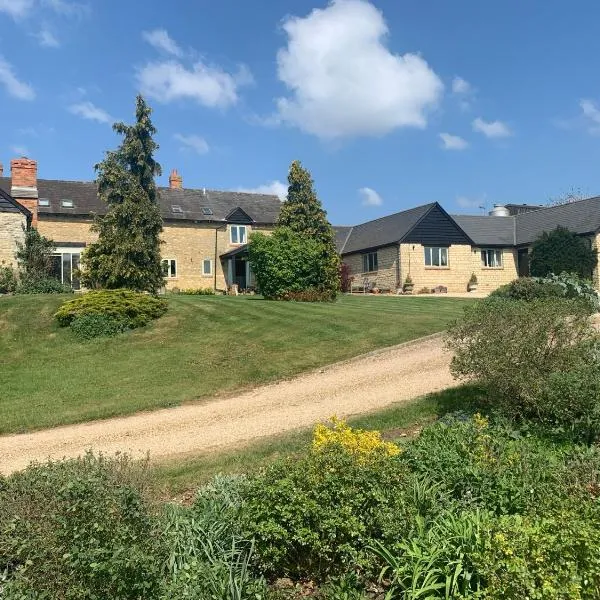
pixel 241 231
pixel 492 258
pixel 370 259
pixel 437 257
pixel 168 272
pixel 71 250
pixel 206 273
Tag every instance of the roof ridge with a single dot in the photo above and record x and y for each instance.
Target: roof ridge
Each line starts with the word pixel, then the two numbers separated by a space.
pixel 556 206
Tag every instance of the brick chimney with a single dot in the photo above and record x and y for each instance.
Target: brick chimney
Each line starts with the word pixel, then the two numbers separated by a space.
pixel 23 172
pixel 175 180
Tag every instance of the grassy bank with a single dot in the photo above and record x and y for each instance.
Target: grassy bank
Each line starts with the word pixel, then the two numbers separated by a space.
pixel 203 346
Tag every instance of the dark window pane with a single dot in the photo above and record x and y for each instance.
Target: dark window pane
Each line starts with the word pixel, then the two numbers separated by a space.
pixel 75 273
pixel 56 270
pixel 66 264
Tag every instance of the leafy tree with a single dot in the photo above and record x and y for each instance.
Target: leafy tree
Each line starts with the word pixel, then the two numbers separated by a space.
pixel 303 224
pixel 34 256
pixel 561 251
pixel 127 253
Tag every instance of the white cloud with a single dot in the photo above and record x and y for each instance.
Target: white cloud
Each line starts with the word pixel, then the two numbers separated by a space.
pixel 206 84
pixel 461 86
pixel 47 39
pixel 192 142
pixel 20 150
pixel 491 129
pixel 90 111
pixel 67 9
pixel 275 188
pixel 370 197
pixel 453 142
pixel 161 40
pixel 15 87
pixel 591 115
pixel 465 202
pixel 16 8
pixel 344 81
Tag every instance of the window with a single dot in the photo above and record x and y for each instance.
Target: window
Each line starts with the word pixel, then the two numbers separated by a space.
pixel 369 262
pixel 175 208
pixel 65 266
pixel 169 266
pixel 44 202
pixel 436 257
pixel 207 266
pixel 66 203
pixel 238 234
pixel 206 210
pixel 491 258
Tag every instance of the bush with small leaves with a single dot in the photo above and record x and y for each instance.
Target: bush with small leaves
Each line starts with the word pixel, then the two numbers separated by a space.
pixel 33 284
pixel 92 326
pixel 133 309
pixel 8 279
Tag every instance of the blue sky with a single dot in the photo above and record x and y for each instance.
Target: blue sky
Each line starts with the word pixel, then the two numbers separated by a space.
pixel 390 104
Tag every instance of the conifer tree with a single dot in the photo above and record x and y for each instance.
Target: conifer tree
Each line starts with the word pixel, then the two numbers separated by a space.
pixel 127 253
pixel 303 213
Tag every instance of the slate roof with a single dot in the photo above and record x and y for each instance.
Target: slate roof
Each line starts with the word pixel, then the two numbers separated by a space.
pixel 384 231
pixel 581 216
pixel 9 205
pixel 488 231
pixel 189 203
pixel 341 236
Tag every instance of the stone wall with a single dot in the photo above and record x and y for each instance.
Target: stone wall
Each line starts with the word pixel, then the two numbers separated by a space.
pixel 188 243
pixel 387 273
pixel 11 229
pixel 462 262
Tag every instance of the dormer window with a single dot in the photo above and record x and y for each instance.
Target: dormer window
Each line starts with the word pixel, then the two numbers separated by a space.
pixel 66 203
pixel 43 202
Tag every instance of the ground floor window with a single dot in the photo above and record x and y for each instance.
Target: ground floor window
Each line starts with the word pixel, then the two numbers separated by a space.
pixel 370 262
pixel 436 256
pixel 207 266
pixel 65 266
pixel 491 258
pixel 169 266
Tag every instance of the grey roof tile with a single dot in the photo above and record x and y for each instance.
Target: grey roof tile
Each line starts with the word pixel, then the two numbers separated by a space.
pixel 262 208
pixel 488 231
pixel 386 230
pixel 342 233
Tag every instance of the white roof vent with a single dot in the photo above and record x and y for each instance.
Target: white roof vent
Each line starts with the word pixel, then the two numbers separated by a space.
pixel 499 211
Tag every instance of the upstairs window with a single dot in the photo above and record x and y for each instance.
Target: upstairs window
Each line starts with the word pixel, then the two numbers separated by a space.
pixel 436 256
pixel 491 258
pixel 238 234
pixel 66 203
pixel 169 266
pixel 207 211
pixel 370 262
pixel 43 202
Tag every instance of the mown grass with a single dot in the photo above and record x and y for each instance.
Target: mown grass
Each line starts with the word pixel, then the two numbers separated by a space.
pixel 203 346
pixel 178 477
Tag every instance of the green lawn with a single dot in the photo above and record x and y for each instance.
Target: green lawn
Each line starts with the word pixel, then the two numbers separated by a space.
pixel 202 346
pixel 174 478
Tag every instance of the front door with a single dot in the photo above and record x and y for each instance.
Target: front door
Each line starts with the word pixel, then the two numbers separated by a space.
pixel 239 272
pixel 523 262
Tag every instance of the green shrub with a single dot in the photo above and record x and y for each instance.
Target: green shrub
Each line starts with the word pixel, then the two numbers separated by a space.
pixel 565 285
pixel 8 279
pixel 91 326
pixel 562 251
pixel 288 264
pixel 552 557
pixel 314 517
pixel 197 292
pixel 132 309
pixel 33 284
pixel 512 347
pixel 78 529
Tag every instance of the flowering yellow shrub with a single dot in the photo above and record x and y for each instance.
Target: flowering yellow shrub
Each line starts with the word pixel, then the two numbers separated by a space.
pixel 358 442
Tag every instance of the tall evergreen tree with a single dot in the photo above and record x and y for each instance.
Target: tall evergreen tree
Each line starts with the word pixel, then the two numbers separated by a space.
pixel 303 213
pixel 127 253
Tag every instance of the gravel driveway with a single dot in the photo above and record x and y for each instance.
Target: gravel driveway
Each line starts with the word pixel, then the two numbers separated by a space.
pixel 360 385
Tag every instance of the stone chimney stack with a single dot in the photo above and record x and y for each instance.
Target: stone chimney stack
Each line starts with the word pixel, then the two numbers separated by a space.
pixel 175 180
pixel 23 172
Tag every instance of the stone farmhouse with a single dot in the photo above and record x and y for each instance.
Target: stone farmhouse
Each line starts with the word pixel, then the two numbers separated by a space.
pixel 206 235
